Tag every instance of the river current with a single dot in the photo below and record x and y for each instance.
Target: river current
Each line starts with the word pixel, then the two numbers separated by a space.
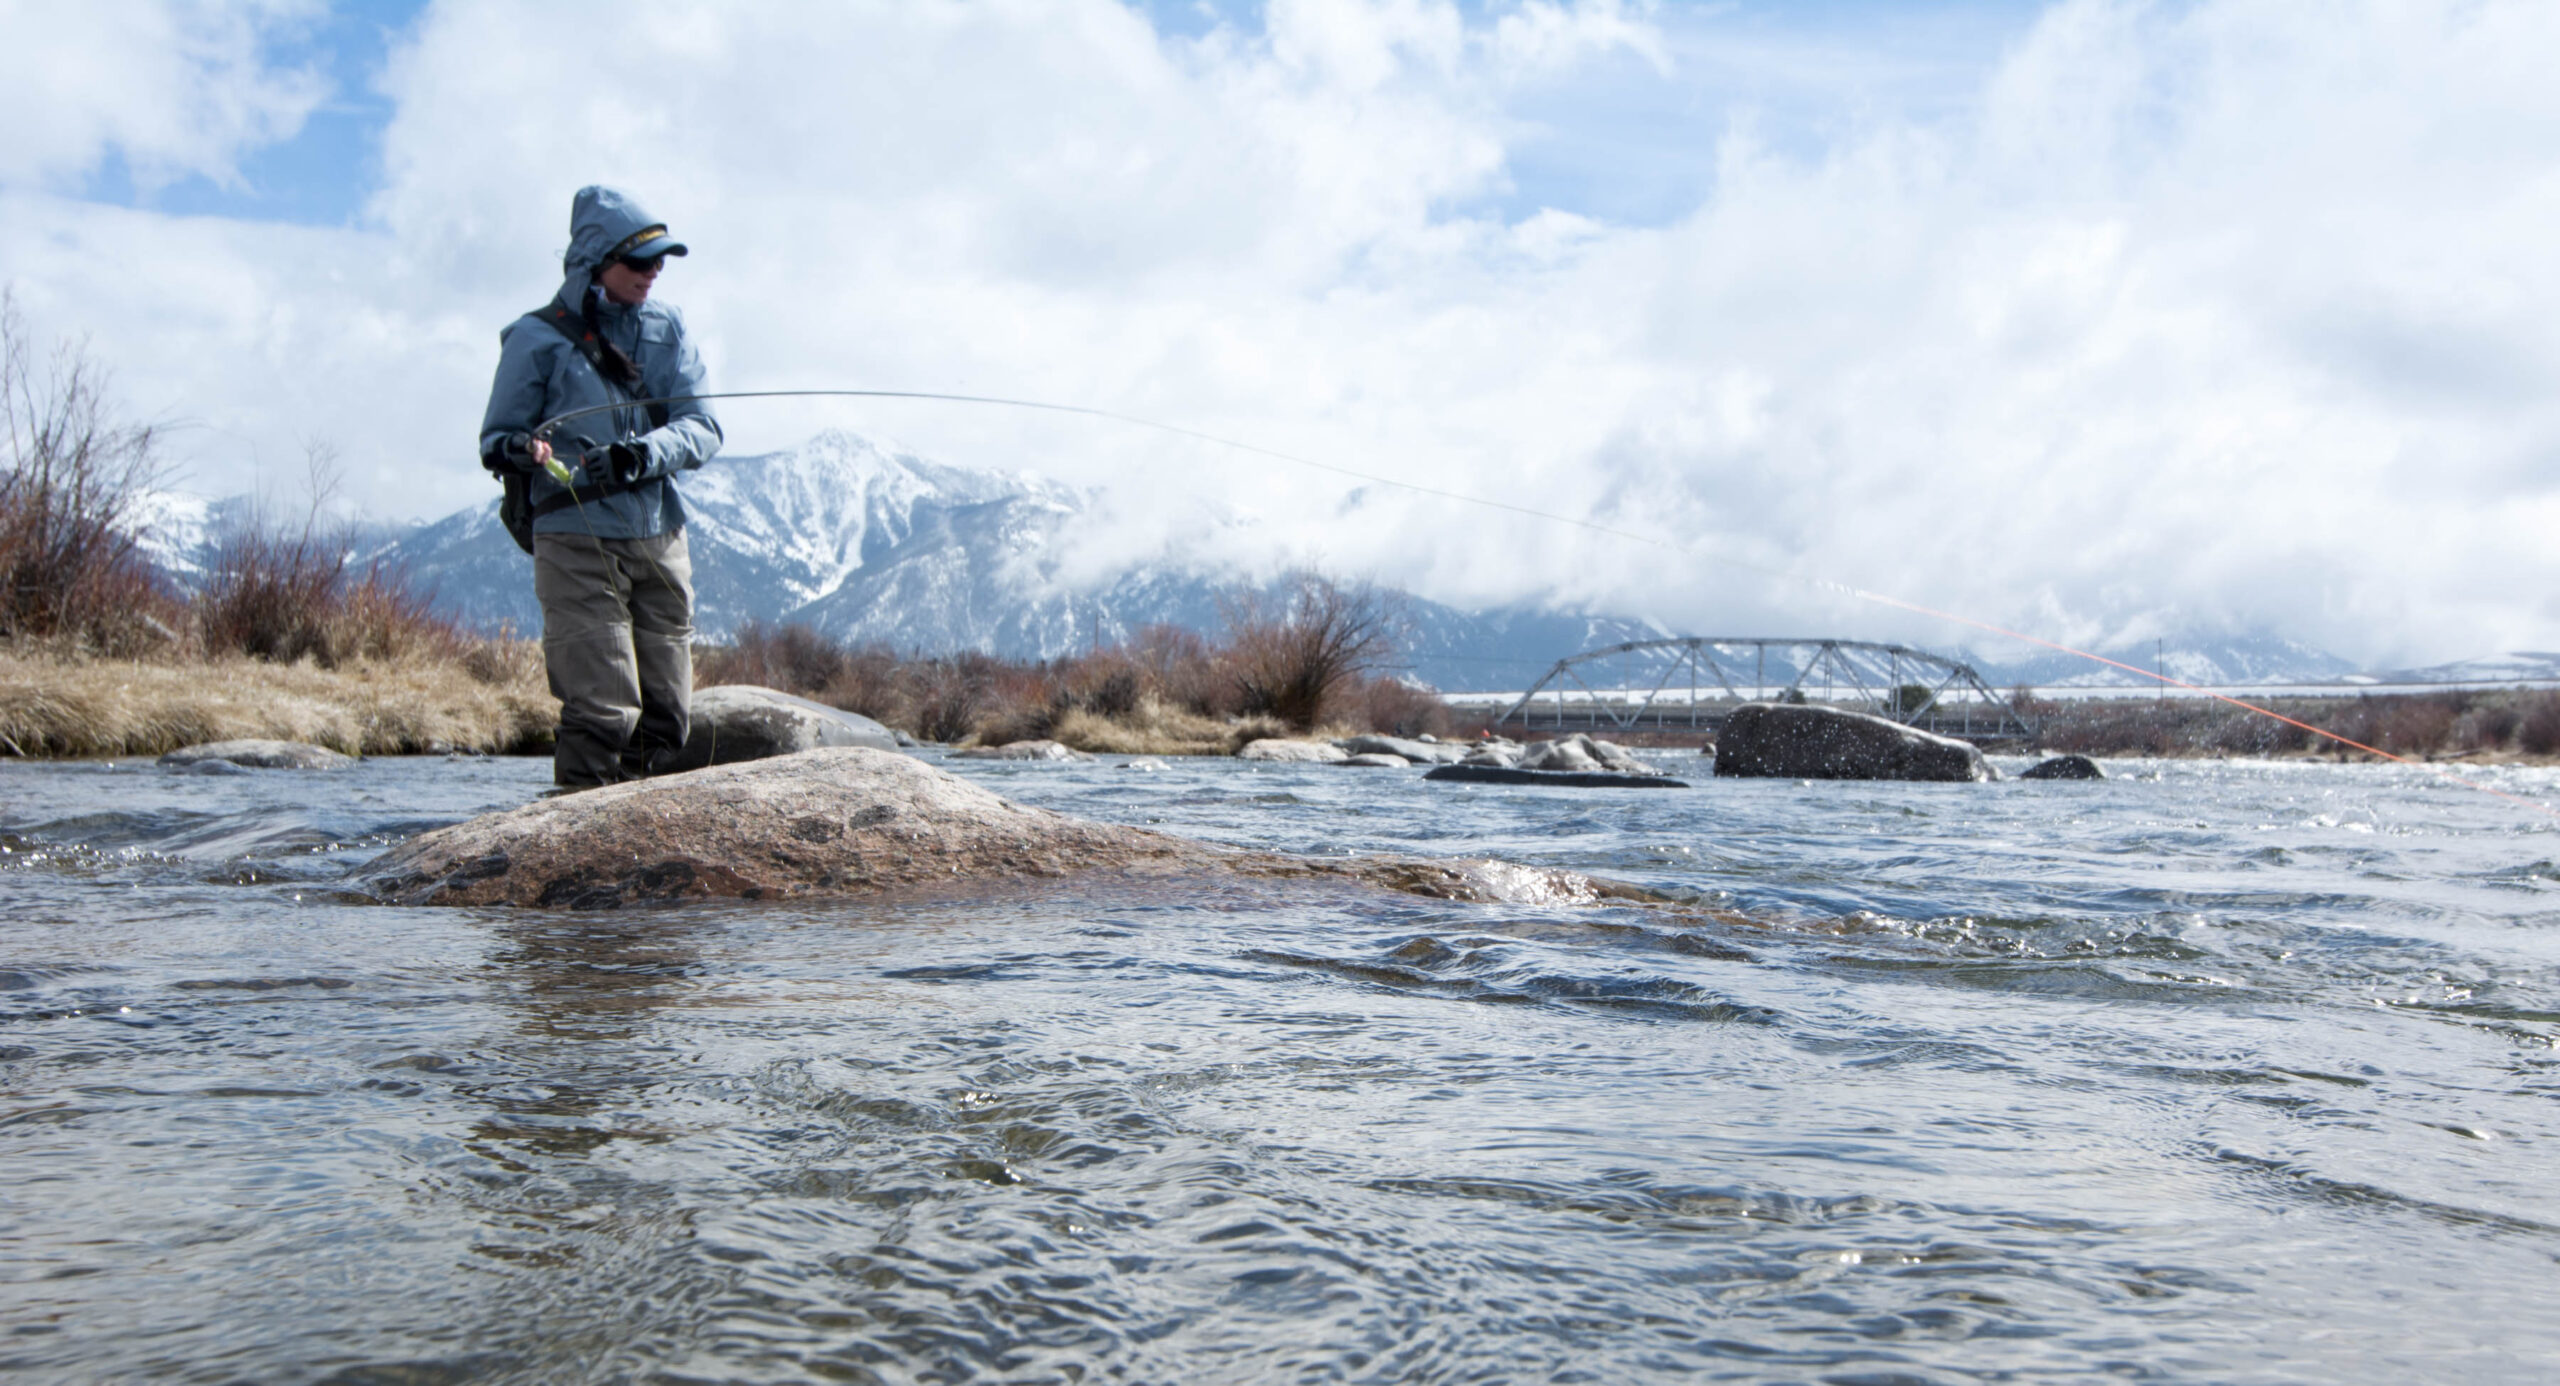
pixel 2213 1071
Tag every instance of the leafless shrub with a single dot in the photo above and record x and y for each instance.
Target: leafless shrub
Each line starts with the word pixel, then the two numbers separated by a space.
pixel 69 572
pixel 2418 726
pixel 2466 721
pixel 2487 726
pixel 874 683
pixel 1184 671
pixel 1290 654
pixel 973 694
pixel 267 593
pixel 2539 731
pixel 1169 690
pixel 792 658
pixel 1396 708
pixel 282 592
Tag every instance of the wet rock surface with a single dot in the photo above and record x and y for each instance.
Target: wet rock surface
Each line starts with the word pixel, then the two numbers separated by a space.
pixel 849 821
pixel 1296 752
pixel 2064 768
pixel 742 722
pixel 1578 752
pixel 1801 742
pixel 1415 752
pixel 1579 779
pixel 257 755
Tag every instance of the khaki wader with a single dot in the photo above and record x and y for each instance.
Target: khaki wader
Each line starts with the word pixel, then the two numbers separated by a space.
pixel 617 641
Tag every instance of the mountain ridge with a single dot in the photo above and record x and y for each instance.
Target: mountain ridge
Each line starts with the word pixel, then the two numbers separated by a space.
pixel 866 544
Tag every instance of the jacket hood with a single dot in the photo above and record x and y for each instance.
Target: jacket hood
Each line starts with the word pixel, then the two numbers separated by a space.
pixel 601 218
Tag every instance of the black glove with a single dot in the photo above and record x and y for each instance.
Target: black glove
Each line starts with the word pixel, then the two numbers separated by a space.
pixel 513 453
pixel 627 460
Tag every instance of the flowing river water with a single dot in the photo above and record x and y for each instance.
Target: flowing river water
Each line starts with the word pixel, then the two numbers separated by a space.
pixel 2214 1071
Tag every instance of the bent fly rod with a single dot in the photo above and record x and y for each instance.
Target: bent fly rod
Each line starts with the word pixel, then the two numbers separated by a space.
pixel 542 431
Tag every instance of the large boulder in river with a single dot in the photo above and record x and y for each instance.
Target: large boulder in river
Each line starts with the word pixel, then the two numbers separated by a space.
pixel 1802 742
pixel 734 722
pixel 848 822
pixel 258 755
pixel 2064 768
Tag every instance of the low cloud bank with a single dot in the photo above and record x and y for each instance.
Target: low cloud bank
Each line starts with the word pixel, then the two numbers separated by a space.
pixel 2225 315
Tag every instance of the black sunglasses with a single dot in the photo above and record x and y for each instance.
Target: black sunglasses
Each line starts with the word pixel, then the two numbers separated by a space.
pixel 641 264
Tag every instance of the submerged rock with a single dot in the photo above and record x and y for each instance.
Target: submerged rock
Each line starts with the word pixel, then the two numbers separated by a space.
pixel 2064 768
pixel 1377 759
pixel 1302 752
pixel 1578 779
pixel 733 722
pixel 1802 742
pixel 1022 750
pixel 849 821
pixel 210 767
pixel 259 755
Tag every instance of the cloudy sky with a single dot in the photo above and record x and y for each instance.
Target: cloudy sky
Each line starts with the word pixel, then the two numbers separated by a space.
pixel 2094 318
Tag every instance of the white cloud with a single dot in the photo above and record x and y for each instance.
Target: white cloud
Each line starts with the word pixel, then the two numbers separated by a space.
pixel 2233 312
pixel 175 87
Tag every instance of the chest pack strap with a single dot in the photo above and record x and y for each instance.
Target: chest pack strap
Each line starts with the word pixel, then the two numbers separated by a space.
pixel 610 365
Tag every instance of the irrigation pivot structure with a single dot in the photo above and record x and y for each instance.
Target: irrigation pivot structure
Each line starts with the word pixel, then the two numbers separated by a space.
pixel 1691 683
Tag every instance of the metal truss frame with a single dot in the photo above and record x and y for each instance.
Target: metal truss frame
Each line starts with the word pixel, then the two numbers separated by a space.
pixel 1861 673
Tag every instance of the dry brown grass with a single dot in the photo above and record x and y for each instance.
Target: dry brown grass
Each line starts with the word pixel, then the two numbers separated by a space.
pixel 1156 728
pixel 492 700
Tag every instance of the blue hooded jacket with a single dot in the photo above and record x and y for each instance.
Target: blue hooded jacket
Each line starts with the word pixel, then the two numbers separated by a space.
pixel 542 375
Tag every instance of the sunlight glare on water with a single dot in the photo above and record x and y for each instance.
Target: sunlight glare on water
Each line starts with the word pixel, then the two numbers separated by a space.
pixel 2214 1070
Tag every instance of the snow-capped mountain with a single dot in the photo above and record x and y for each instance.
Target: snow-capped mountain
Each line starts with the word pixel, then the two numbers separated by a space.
pixel 2521 666
pixel 2212 661
pixel 803 536
pixel 176 530
pixel 872 546
pixel 869 545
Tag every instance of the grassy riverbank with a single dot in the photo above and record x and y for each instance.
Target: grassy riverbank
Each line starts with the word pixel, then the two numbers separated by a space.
pixel 490 700
pixel 285 642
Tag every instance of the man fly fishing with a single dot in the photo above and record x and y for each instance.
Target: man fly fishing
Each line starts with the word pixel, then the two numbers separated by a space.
pixel 596 503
